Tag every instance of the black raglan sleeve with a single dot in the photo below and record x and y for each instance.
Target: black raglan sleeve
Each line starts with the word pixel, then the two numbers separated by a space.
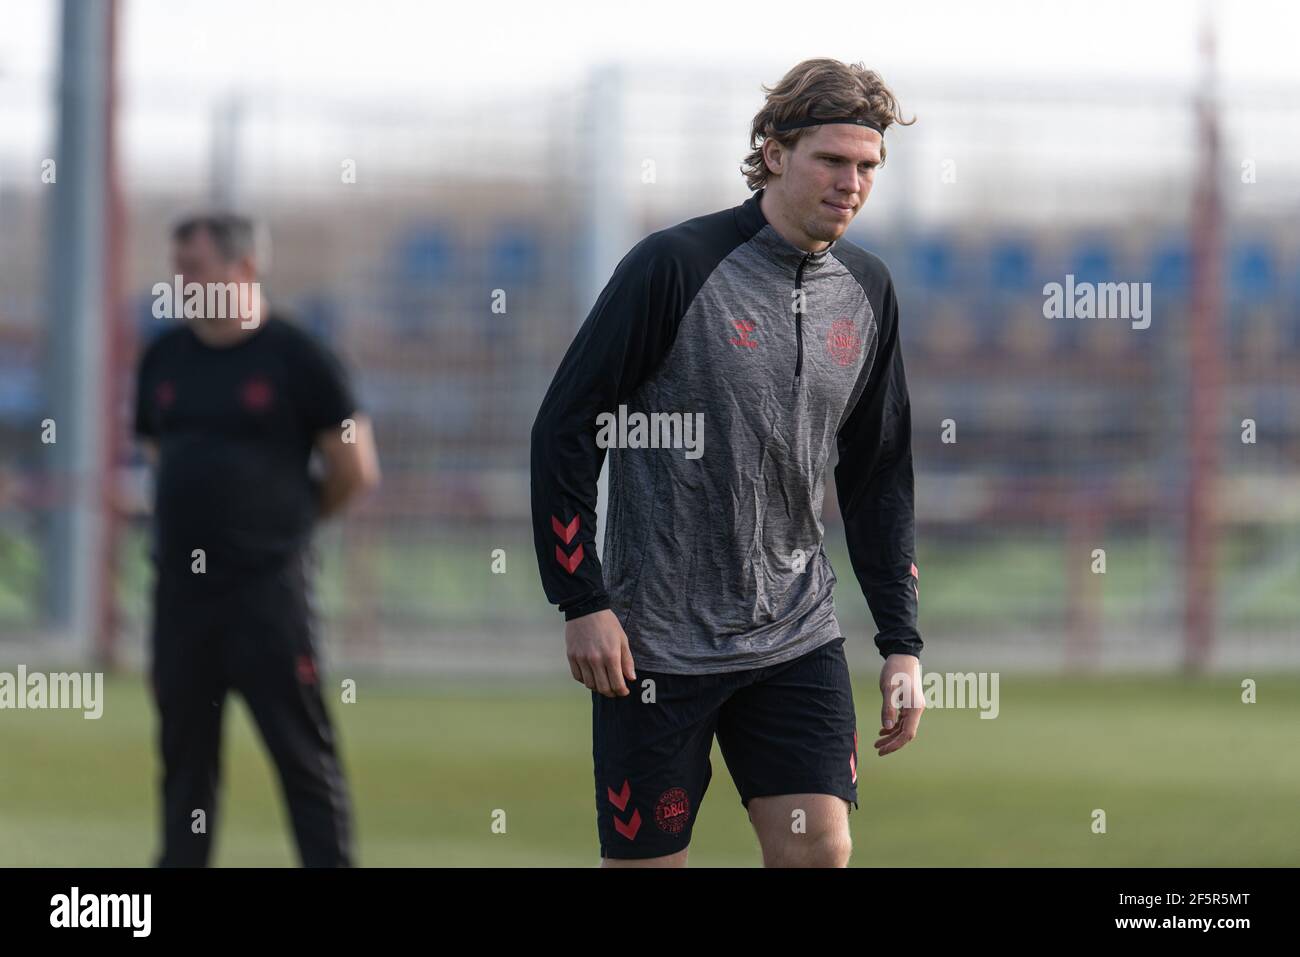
pixel 874 484
pixel 625 336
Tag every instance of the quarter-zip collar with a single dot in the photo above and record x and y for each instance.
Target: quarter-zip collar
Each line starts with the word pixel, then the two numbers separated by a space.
pixel 771 244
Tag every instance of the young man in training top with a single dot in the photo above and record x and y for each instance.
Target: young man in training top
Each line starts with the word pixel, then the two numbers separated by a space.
pixel 713 613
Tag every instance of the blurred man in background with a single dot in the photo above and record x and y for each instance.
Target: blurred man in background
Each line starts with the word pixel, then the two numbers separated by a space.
pixel 784 338
pixel 231 411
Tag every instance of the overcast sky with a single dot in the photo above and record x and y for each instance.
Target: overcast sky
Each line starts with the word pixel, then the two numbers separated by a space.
pixel 430 49
pixel 415 56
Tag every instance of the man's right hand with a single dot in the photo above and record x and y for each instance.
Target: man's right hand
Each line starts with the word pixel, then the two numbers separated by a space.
pixel 599 656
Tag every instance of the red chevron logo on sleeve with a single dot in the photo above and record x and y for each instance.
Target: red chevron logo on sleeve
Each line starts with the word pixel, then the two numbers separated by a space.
pixel 565 532
pixel 569 562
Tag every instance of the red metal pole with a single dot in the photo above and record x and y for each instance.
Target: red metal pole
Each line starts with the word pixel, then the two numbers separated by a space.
pixel 1206 374
pixel 117 349
pixel 1084 532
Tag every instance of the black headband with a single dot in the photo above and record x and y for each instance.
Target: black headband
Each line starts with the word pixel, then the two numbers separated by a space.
pixel 819 121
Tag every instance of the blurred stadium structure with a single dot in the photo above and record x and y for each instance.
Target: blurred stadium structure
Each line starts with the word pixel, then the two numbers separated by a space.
pixel 1071 434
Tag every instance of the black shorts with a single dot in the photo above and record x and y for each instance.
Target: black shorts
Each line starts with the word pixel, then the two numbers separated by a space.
pixel 787 728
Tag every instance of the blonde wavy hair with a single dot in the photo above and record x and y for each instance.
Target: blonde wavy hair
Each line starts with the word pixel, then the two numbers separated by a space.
pixel 817 87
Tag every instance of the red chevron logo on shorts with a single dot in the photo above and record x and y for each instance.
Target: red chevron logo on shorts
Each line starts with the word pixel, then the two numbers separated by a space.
pixel 619 800
pixel 915 589
pixel 629 829
pixel 853 759
pixel 569 562
pixel 565 532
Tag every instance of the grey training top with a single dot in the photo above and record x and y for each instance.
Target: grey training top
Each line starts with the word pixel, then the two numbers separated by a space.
pixel 713 556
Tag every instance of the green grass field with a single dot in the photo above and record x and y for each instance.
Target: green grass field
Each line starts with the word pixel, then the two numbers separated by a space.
pixel 982 582
pixel 1186 773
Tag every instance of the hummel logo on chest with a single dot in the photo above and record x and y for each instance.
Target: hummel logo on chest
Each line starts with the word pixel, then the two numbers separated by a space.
pixel 744 327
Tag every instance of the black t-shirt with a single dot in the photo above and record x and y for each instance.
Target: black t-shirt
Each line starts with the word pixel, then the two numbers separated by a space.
pixel 235 427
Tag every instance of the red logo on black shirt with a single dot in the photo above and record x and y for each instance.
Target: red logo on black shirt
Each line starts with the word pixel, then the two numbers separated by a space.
pixel 744 327
pixel 569 563
pixel 673 810
pixel 843 343
pixel 306 670
pixel 256 395
pixel 565 534
pixel 164 394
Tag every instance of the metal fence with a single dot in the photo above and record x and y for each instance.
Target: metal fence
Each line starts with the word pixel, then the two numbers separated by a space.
pixel 1037 441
